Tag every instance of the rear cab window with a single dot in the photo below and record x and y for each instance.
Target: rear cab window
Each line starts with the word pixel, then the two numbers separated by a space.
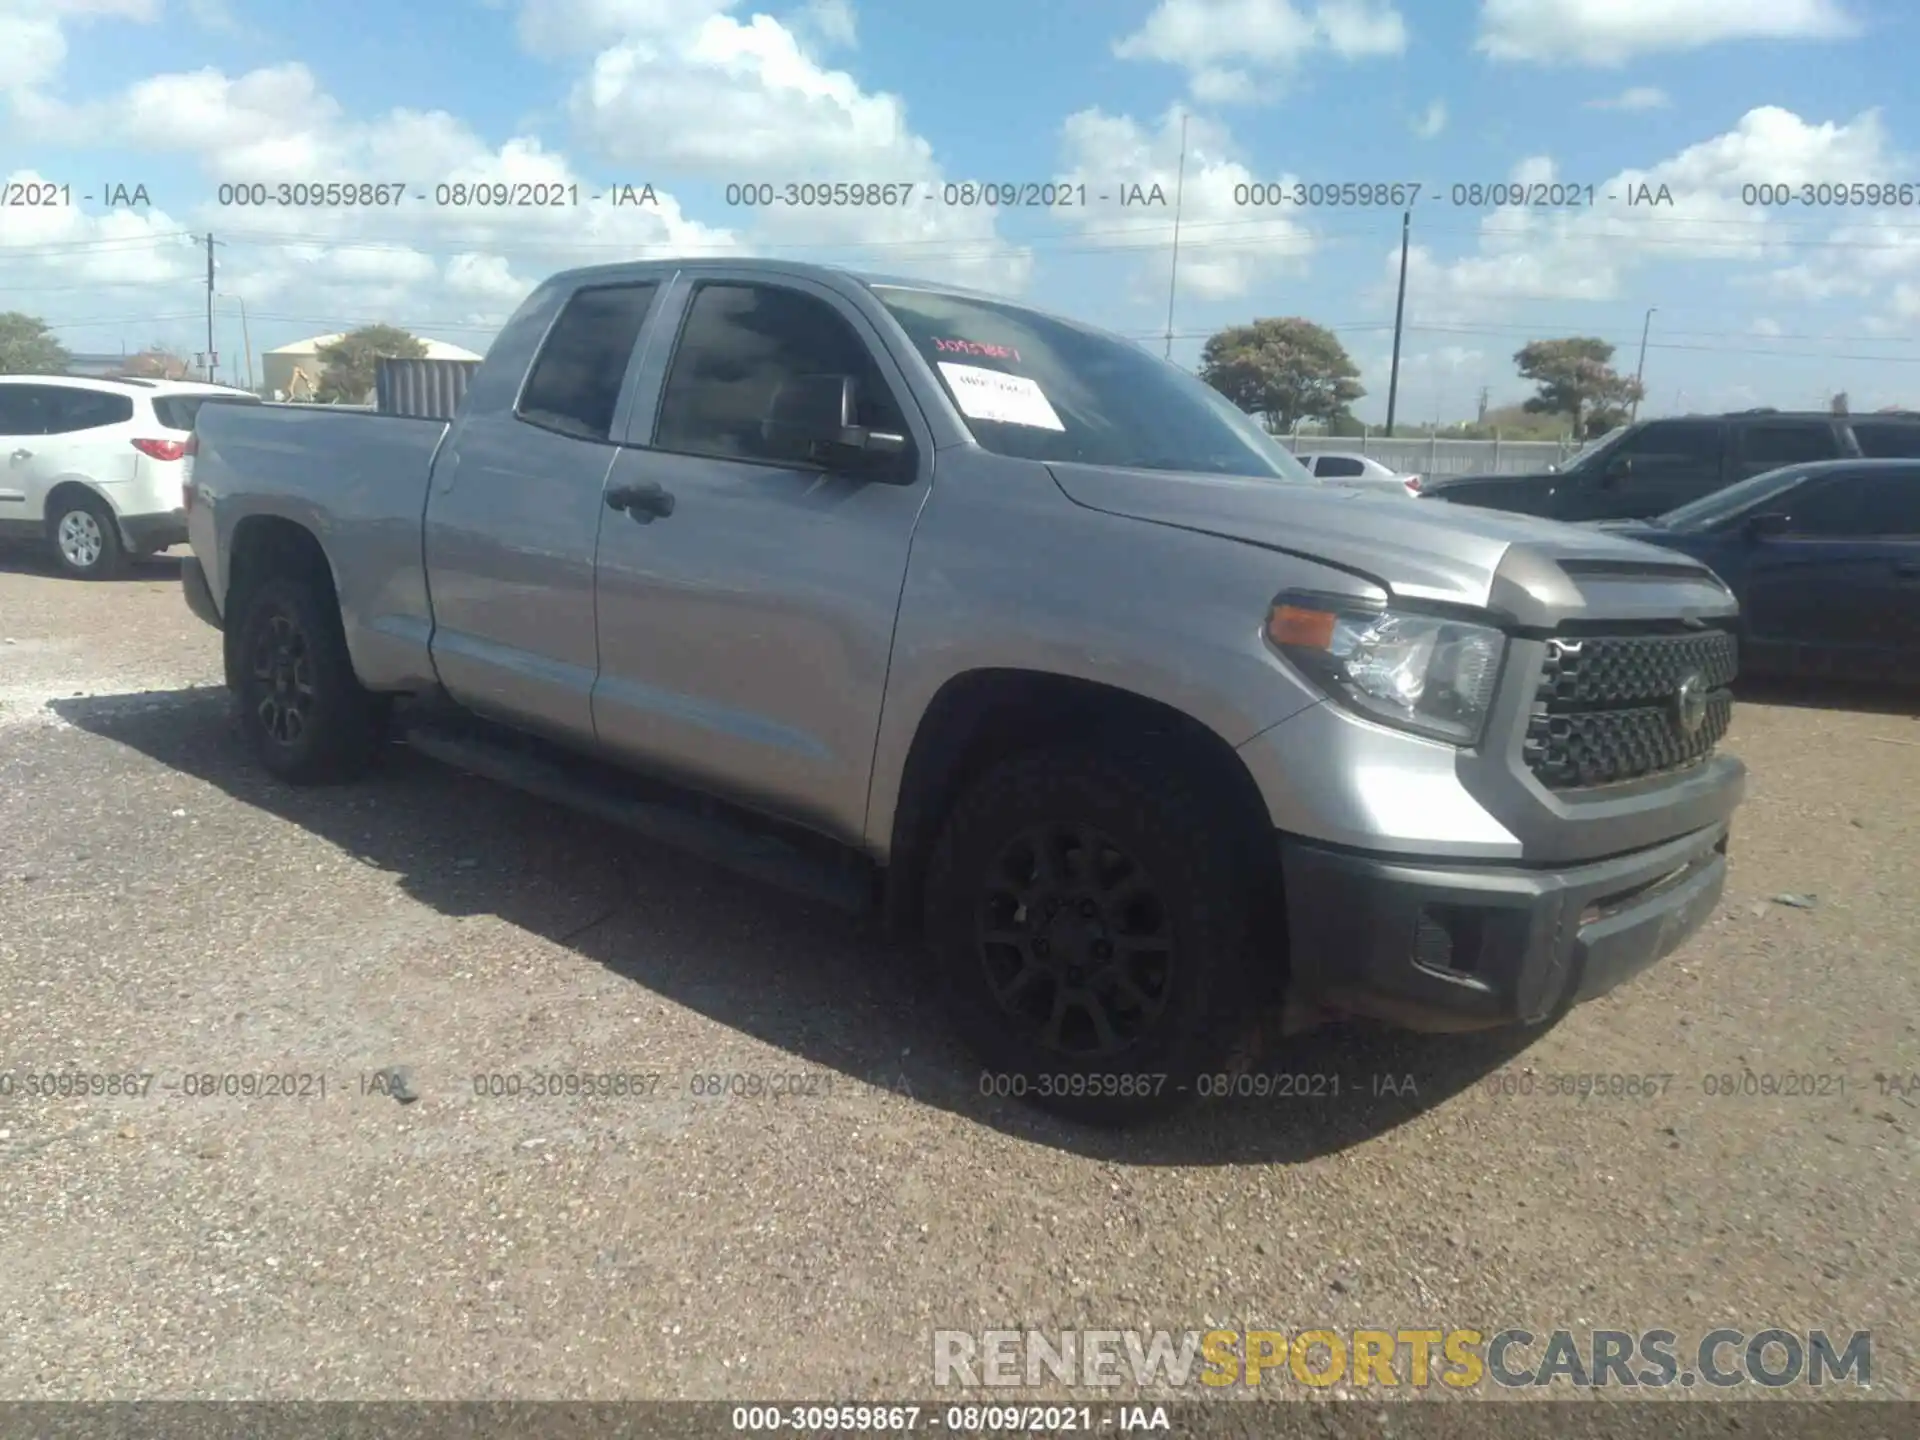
pixel 575 383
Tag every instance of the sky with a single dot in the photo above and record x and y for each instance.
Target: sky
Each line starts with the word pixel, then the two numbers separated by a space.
pixel 1530 127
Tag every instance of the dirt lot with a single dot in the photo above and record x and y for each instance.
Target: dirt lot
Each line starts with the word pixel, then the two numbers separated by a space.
pixel 166 910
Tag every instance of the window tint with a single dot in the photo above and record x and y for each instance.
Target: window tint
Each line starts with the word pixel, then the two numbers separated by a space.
pixel 1339 467
pixel 1884 440
pixel 1858 506
pixel 1788 444
pixel 740 351
pixel 575 384
pixel 19 410
pixel 1677 442
pixel 177 412
pixel 76 410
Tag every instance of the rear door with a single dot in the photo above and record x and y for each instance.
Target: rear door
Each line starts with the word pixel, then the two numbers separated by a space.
pixel 514 516
pixel 746 626
pixel 1663 465
pixel 1838 592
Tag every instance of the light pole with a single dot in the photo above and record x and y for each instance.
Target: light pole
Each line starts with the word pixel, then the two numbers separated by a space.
pixel 246 340
pixel 1640 370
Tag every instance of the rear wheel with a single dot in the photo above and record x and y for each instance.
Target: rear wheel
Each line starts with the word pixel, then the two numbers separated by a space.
pixel 85 537
pixel 304 710
pixel 1093 929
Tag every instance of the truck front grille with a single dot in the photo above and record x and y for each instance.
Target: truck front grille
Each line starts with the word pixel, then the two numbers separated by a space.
pixel 1610 709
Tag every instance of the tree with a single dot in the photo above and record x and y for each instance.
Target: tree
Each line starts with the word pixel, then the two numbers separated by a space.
pixel 1285 370
pixel 28 346
pixel 158 362
pixel 1577 379
pixel 349 364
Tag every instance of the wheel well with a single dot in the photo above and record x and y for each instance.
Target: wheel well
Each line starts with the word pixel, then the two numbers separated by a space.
pixel 267 546
pixel 60 495
pixel 981 718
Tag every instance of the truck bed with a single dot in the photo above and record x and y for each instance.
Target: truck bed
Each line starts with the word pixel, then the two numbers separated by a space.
pixel 357 477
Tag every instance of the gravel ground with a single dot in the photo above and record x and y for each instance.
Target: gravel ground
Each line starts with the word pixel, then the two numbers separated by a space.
pixel 166 910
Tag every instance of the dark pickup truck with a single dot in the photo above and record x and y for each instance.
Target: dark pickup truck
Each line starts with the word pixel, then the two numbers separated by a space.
pixel 1649 468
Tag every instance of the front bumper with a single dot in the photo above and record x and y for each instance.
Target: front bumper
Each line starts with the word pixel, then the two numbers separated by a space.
pixel 198 593
pixel 1463 946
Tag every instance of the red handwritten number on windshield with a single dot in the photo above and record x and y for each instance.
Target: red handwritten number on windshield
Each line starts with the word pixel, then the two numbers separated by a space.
pixel 975 347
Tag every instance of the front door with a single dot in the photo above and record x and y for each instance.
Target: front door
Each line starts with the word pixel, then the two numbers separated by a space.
pixel 747 594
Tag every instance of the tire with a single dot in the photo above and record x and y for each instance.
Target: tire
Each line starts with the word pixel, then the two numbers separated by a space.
pixel 1189 1020
pixel 85 538
pixel 305 713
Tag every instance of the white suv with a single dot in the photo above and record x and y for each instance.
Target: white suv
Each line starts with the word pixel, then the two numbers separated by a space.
pixel 93 467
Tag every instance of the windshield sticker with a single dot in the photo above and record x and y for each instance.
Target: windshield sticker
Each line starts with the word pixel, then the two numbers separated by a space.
pixel 992 395
pixel 976 347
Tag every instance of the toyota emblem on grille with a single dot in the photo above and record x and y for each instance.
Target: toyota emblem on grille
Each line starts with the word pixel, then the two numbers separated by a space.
pixel 1690 704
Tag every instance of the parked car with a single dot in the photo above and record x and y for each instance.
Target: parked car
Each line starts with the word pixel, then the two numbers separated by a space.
pixel 1639 471
pixel 1012 629
pixel 1359 472
pixel 92 467
pixel 1825 560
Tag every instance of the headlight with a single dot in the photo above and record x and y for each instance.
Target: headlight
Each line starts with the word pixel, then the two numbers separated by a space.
pixel 1423 673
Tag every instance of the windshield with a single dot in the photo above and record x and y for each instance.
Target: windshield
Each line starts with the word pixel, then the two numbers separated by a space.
pixel 1711 510
pixel 176 412
pixel 1038 388
pixel 1584 455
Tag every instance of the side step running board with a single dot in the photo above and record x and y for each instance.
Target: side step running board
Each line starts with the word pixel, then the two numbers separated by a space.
pixel 843 879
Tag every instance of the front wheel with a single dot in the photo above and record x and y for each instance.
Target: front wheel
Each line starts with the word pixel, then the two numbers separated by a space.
pixel 1092 925
pixel 304 710
pixel 86 538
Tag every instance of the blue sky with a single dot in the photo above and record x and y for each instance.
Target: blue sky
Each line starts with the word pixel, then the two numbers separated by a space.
pixel 1754 305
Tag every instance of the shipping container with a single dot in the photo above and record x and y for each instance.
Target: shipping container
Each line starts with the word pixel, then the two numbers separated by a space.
pixel 429 388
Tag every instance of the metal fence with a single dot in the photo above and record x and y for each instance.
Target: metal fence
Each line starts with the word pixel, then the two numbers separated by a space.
pixel 429 388
pixel 1419 455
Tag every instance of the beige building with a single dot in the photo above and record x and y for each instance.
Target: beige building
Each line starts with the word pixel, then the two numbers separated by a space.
pixel 290 372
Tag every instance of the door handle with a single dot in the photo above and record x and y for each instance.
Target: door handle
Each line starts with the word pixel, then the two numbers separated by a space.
pixel 23 454
pixel 643 502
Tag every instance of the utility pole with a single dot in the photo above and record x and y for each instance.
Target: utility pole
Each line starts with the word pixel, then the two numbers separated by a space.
pixel 1173 270
pixel 1399 314
pixel 1480 413
pixel 213 358
pixel 1641 369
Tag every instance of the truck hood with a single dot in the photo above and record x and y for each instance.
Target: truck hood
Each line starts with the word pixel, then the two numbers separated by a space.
pixel 1535 572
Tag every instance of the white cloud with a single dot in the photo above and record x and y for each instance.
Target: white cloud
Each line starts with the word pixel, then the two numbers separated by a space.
pixel 734 101
pixel 1585 253
pixel 1226 247
pixel 1611 32
pixel 1637 97
pixel 1432 122
pixel 1236 51
pixel 829 23
pixel 1768 328
pixel 33 41
pixel 414 262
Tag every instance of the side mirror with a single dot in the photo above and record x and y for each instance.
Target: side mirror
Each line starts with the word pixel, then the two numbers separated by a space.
pixel 812 420
pixel 1767 525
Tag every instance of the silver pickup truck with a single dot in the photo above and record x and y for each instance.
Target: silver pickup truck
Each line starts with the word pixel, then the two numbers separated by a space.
pixel 995 623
